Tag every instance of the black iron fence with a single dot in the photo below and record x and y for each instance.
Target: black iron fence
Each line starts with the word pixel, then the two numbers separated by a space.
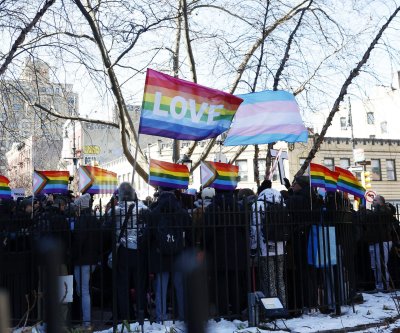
pixel 132 262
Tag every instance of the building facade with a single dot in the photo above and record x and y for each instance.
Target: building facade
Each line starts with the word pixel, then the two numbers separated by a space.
pixel 382 156
pixel 20 119
pixel 88 143
pixel 34 153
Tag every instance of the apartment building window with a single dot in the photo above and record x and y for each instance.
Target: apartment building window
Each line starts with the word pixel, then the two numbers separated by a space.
pixel 329 162
pixel 384 127
pixel 343 123
pixel 243 170
pixel 376 170
pixel 345 163
pixel 262 169
pixel 390 170
pixel 370 118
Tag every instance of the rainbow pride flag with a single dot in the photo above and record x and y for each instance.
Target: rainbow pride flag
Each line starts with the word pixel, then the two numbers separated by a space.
pixel 218 175
pixel 321 176
pixel 96 180
pixel 180 109
pixel 317 175
pixel 349 183
pixel 267 116
pixel 331 179
pixel 168 174
pixel 5 191
pixel 50 182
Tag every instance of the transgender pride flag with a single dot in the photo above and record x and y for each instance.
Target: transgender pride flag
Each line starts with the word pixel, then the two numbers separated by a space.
pixel 265 117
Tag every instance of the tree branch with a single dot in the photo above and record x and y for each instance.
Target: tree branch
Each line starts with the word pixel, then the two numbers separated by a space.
pixel 244 63
pixel 23 34
pixel 343 91
pixel 115 87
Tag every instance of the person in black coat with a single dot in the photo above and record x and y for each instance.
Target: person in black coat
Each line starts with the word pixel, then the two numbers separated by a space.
pixel 86 253
pixel 304 210
pixel 227 253
pixel 168 234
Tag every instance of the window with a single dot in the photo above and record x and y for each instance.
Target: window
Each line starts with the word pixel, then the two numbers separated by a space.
pixel 370 118
pixel 345 163
pixel 343 123
pixel 390 170
pixel 301 161
pixel 384 127
pixel 89 159
pixel 329 163
pixel 243 170
pixel 376 170
pixel 262 169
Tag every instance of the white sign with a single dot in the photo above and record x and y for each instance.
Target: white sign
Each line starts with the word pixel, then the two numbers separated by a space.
pixel 357 168
pixel 18 193
pixel 370 195
pixel 66 288
pixel 283 156
pixel 358 155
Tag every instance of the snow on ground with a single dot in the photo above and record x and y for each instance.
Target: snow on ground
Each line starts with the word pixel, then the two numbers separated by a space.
pixel 375 309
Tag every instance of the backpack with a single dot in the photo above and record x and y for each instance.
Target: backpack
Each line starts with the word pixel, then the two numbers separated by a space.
pixel 170 237
pixel 169 232
pixel 274 221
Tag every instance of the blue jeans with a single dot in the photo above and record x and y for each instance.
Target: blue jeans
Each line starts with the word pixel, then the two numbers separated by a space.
pixel 161 295
pixel 378 260
pixel 82 278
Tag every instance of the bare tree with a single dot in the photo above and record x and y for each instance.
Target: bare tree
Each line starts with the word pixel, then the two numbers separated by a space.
pixel 231 45
pixel 343 91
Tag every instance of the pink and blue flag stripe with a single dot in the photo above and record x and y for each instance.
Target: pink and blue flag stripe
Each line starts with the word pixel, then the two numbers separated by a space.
pixel 265 117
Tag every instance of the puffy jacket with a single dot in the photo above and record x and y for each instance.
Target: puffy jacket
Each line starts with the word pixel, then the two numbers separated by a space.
pixel 130 237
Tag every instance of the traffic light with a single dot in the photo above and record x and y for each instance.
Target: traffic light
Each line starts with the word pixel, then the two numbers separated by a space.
pixel 367 179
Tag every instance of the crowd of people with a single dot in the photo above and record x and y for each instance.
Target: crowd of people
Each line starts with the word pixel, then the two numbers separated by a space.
pixel 294 244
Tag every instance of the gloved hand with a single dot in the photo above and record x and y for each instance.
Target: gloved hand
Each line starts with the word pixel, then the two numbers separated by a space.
pixel 287 183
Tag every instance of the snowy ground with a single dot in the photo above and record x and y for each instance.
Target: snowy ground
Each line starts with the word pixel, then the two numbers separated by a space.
pixel 375 309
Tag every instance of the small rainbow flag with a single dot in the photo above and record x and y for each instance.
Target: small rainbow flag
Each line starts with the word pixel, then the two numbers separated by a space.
pixel 168 174
pixel 317 175
pixel 180 109
pixel 96 180
pixel 321 176
pixel 218 175
pixel 5 191
pixel 50 182
pixel 349 183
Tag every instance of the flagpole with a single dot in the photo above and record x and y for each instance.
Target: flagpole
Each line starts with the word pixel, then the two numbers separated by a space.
pixel 309 177
pixel 32 160
pixel 135 161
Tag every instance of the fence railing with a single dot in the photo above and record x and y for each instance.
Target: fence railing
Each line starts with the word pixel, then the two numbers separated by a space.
pixel 135 268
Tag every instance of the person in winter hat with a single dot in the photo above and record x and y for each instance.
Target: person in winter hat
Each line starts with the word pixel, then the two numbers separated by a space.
pixel 206 197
